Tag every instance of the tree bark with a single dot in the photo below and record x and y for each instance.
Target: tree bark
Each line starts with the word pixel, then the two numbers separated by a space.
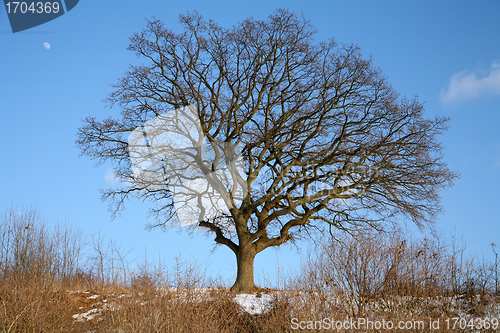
pixel 244 277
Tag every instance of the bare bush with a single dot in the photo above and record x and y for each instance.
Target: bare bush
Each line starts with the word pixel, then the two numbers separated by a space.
pixel 30 251
pixel 366 272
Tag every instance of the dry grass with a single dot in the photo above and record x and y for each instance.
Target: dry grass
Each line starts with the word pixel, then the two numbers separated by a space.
pixel 50 282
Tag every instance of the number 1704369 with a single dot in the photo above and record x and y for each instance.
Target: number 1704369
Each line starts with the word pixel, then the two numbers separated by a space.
pixel 32 7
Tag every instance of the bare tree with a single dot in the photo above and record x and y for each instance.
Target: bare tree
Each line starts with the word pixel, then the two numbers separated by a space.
pixel 325 141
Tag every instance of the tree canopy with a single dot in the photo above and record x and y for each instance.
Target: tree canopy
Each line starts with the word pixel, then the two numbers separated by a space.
pixel 319 136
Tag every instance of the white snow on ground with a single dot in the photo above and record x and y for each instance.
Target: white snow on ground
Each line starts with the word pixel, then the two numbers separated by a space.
pixel 77 291
pixel 254 304
pixel 87 315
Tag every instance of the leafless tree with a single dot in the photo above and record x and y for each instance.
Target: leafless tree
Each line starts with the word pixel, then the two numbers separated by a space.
pixel 325 141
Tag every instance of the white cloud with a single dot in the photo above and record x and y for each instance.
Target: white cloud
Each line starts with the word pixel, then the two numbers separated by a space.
pixel 111 178
pixel 471 85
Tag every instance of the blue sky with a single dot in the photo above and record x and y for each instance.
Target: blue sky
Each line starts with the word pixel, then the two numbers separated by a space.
pixel 446 52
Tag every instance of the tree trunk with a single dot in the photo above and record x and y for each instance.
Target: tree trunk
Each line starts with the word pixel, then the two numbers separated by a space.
pixel 244 278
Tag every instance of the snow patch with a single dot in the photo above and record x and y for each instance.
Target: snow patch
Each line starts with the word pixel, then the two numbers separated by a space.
pixel 254 304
